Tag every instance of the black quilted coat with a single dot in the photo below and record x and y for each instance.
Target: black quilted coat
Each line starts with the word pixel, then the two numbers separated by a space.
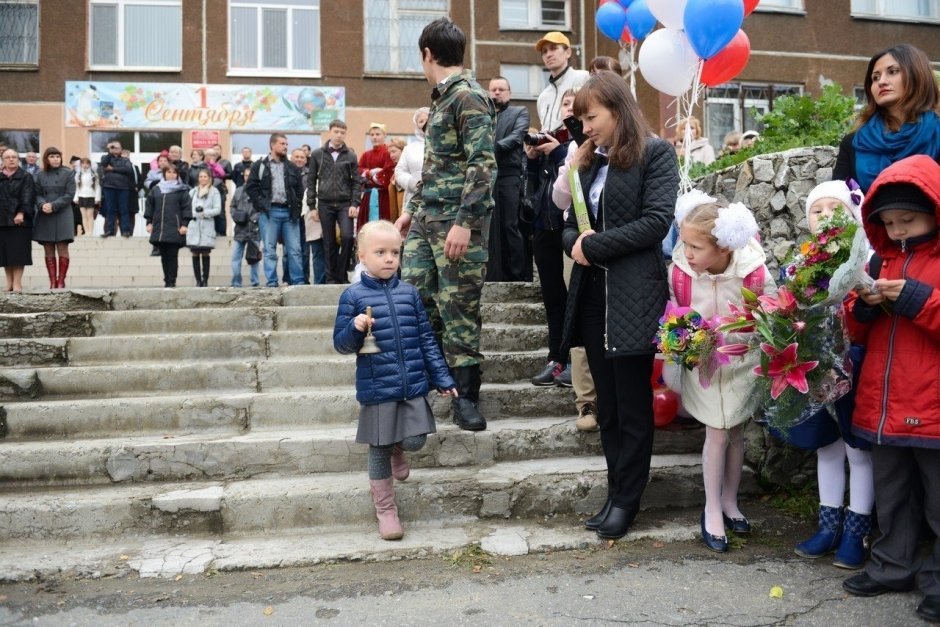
pixel 636 209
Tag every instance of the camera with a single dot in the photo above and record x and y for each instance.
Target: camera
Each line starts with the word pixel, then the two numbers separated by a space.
pixel 537 139
pixel 198 209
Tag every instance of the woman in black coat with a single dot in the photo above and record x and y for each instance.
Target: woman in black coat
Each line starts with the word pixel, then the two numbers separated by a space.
pixel 618 288
pixel 17 195
pixel 54 225
pixel 168 212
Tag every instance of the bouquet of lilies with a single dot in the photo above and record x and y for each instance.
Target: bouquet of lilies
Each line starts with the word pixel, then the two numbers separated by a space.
pixel 830 263
pixel 803 355
pixel 686 339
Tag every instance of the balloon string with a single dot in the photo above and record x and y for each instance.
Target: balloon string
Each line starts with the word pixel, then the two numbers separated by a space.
pixel 632 67
pixel 685 107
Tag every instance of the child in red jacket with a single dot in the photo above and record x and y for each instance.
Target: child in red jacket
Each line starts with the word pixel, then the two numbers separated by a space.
pixel 897 404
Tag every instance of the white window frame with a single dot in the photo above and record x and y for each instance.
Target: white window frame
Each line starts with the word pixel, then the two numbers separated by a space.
pixel 27 64
pixel 537 79
pixel 742 106
pixel 535 18
pixel 883 12
pixel 276 71
pixel 781 6
pixel 394 38
pixel 121 6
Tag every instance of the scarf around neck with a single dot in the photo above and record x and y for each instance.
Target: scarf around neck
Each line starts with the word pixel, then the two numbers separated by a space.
pixel 168 187
pixel 877 147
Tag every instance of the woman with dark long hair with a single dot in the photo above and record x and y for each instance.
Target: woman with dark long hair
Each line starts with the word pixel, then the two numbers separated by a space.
pixel 618 288
pixel 54 226
pixel 900 117
pixel 17 195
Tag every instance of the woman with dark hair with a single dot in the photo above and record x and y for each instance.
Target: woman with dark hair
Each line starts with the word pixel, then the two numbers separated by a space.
pixel 17 193
pixel 900 117
pixel 618 288
pixel 610 64
pixel 168 213
pixel 54 226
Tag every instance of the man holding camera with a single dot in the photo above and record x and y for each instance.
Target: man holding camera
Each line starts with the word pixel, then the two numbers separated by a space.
pixel 506 246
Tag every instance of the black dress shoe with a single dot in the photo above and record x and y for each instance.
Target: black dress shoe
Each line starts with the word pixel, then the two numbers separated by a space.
pixel 595 521
pixel 929 608
pixel 719 544
pixel 863 585
pixel 740 526
pixel 616 524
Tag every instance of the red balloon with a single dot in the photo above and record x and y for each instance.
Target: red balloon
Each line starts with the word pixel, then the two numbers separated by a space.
pixel 749 6
pixel 603 2
pixel 626 37
pixel 657 378
pixel 728 63
pixel 665 406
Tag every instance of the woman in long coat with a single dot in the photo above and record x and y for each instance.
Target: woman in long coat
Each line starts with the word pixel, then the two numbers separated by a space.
pixel 54 225
pixel 17 194
pixel 168 213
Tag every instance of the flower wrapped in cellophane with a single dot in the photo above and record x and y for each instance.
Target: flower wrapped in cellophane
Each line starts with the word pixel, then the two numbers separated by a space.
pixel 804 361
pixel 687 339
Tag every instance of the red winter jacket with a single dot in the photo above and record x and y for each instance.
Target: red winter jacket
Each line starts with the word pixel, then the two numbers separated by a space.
pixel 898 396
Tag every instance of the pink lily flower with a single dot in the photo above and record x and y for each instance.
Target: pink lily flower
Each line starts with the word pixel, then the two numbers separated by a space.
pixel 733 350
pixel 783 303
pixel 784 370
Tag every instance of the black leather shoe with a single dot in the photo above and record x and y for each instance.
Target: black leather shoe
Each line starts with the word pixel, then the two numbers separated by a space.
pixel 467 416
pixel 863 585
pixel 595 521
pixel 929 608
pixel 719 544
pixel 740 526
pixel 616 524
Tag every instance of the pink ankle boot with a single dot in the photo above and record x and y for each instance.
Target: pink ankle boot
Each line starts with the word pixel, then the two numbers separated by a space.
pixel 383 496
pixel 400 467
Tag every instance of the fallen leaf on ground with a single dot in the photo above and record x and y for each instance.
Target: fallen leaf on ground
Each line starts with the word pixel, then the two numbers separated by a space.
pixel 633 565
pixel 477 568
pixel 124 557
pixel 268 611
pixel 776 592
pixel 658 544
pixel 610 544
pixel 177 578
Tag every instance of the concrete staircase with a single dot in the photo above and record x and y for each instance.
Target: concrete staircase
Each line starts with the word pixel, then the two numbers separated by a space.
pixel 195 428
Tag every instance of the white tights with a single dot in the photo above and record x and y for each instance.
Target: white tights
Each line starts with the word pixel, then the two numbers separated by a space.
pixel 830 469
pixel 722 463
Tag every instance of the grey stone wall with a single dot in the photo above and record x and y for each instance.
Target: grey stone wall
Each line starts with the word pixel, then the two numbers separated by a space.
pixel 774 187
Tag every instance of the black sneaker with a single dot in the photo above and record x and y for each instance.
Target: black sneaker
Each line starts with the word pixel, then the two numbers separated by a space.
pixel 563 378
pixel 547 376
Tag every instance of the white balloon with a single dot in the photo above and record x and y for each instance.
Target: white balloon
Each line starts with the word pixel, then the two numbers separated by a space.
pixel 670 13
pixel 667 61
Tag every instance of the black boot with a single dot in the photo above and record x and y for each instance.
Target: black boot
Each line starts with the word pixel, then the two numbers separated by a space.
pixel 466 414
pixel 616 524
pixel 205 271
pixel 197 270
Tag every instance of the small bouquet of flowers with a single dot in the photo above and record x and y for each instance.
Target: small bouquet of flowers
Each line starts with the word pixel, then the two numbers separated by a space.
pixel 803 355
pixel 686 339
pixel 830 263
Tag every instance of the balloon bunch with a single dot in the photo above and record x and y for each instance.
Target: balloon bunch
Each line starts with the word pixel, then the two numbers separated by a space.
pixel 702 45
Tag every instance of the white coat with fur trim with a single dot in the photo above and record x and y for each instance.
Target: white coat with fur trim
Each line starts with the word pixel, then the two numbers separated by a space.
pixel 724 403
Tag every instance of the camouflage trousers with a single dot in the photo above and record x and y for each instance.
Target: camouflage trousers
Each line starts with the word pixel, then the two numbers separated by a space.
pixel 450 290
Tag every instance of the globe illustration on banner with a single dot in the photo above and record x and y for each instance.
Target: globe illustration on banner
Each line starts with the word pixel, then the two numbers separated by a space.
pixel 310 100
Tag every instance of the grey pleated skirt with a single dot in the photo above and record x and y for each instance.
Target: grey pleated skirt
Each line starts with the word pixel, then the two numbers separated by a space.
pixel 388 423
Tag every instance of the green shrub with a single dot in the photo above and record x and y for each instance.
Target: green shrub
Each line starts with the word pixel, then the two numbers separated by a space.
pixel 794 122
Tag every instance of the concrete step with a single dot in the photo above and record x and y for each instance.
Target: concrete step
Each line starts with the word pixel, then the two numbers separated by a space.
pixel 294 452
pixel 249 375
pixel 526 489
pixel 209 412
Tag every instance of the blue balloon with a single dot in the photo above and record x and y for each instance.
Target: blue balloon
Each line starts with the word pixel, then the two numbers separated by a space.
pixel 611 19
pixel 712 24
pixel 640 20
pixel 625 3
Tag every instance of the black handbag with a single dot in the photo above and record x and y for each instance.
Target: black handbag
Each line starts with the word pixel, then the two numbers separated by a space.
pixel 252 253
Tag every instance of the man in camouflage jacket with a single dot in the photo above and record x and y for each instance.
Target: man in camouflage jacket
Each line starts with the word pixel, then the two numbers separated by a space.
pixel 449 217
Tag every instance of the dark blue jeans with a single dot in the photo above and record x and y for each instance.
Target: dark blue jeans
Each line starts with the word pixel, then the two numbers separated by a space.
pixel 115 202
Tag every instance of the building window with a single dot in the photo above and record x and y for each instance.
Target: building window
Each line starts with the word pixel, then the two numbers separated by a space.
pixel 260 143
pixel 392 31
pixel 136 35
pixel 525 81
pixel 860 99
pixel 274 37
pixel 534 14
pixel 731 107
pixel 19 32
pixel 926 10
pixel 775 5
pixel 22 141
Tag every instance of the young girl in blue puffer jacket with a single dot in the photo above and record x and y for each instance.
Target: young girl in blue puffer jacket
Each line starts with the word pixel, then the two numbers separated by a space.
pixel 391 385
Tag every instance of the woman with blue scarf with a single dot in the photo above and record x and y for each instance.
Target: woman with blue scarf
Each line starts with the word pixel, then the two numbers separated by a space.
pixel 899 119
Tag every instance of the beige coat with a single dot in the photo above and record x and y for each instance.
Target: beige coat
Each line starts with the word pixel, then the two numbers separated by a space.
pixel 728 401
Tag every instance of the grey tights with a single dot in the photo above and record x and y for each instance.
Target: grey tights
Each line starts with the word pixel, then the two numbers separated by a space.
pixel 380 457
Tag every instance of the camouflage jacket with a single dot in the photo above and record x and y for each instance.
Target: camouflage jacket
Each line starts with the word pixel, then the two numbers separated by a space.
pixel 459 162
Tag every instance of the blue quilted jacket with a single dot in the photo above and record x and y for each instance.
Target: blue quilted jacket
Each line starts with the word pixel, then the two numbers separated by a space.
pixel 410 354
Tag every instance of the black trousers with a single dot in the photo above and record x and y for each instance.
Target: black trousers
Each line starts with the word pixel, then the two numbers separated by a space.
pixel 336 257
pixel 506 247
pixel 624 400
pixel 169 259
pixel 549 256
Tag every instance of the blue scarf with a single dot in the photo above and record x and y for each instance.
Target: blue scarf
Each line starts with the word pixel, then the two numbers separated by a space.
pixel 876 147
